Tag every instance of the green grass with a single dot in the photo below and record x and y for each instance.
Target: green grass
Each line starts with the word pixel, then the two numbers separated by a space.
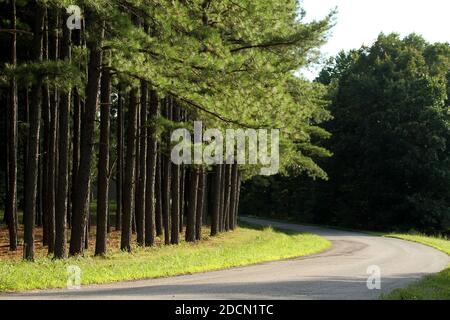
pixel 432 287
pixel 244 246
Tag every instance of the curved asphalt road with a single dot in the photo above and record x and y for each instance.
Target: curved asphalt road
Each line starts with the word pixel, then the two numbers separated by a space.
pixel 339 273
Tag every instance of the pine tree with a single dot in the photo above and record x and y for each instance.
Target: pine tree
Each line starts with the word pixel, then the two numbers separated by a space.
pixel 33 139
pixel 81 187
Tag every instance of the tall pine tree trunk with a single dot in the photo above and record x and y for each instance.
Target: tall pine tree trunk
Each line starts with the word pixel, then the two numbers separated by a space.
pixel 33 139
pixel 182 197
pixel 11 200
pixel 103 164
pixel 233 198
pixel 227 192
pixel 192 205
pixel 119 171
pixel 238 195
pixel 150 198
pixel 81 188
pixel 140 197
pixel 78 106
pixel 44 158
pixel 175 218
pixel 128 188
pixel 158 194
pixel 215 190
pixel 200 203
pixel 50 196
pixel 222 199
pixel 63 157
pixel 167 178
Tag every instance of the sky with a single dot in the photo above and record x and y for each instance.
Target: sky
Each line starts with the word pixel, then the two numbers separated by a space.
pixel 360 21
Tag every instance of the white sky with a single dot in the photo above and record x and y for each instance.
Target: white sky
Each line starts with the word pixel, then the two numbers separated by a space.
pixel 360 21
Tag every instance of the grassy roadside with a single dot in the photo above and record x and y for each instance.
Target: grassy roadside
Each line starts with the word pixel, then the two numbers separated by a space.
pixel 244 246
pixel 432 287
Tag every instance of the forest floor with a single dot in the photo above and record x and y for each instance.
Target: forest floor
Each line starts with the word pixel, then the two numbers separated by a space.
pixel 432 287
pixel 244 246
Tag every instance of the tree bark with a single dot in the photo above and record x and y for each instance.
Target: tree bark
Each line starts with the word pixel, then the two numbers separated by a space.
pixel 51 188
pixel 141 194
pixel 166 183
pixel 63 155
pixel 11 200
pixel 175 219
pixel 158 194
pixel 238 195
pixel 81 188
pixel 45 153
pixel 119 171
pixel 227 200
pixel 200 203
pixel 222 198
pixel 182 197
pixel 78 106
pixel 233 199
pixel 216 201
pixel 33 140
pixel 128 191
pixel 150 199
pixel 103 165
pixel 192 206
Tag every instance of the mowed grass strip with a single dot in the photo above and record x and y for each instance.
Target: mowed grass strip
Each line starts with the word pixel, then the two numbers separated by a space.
pixel 432 287
pixel 244 246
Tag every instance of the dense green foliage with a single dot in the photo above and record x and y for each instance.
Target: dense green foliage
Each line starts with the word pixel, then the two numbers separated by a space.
pixel 390 143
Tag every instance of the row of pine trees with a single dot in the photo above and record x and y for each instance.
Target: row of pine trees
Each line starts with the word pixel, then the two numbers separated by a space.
pixel 94 106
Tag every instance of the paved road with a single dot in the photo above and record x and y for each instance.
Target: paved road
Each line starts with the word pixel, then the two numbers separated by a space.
pixel 339 273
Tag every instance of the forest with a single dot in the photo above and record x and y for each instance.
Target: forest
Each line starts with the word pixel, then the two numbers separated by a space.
pixel 390 144
pixel 92 90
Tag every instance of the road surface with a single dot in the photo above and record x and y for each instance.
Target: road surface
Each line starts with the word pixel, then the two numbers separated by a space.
pixel 338 273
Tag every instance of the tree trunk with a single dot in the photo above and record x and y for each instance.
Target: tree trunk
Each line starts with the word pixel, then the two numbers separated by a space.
pixel 87 226
pixel 11 200
pixel 182 197
pixel 80 191
pixel 140 198
pixel 238 194
pixel 63 155
pixel 166 183
pixel 150 199
pixel 175 219
pixel 222 198
pixel 233 199
pixel 216 201
pixel 158 194
pixel 227 192
pixel 192 206
pixel 50 197
pixel 44 158
pixel 103 165
pixel 77 111
pixel 119 174
pixel 200 202
pixel 128 191
pixel 137 158
pixel 33 140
